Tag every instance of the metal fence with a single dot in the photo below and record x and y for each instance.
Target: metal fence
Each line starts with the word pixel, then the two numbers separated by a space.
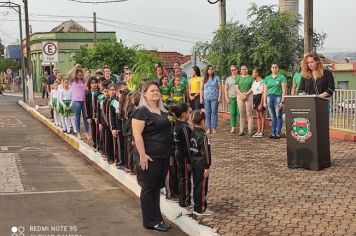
pixel 343 110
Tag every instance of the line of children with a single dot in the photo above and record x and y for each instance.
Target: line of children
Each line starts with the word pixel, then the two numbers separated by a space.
pixel 192 155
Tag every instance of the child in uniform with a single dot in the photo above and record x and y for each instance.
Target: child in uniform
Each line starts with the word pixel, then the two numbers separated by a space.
pixel 165 90
pixel 105 123
pixel 90 107
pixel 99 98
pixel 54 103
pixel 182 133
pixel 65 108
pixel 178 92
pixel 200 162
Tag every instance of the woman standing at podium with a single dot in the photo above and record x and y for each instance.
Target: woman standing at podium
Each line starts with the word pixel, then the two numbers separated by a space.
pixel 315 79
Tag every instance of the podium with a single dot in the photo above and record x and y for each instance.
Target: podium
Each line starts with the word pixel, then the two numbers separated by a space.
pixel 307 127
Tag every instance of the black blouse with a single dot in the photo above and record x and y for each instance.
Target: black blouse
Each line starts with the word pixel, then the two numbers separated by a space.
pixel 324 84
pixel 157 134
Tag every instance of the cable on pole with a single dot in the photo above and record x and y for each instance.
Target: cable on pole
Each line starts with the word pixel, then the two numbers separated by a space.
pixel 213 2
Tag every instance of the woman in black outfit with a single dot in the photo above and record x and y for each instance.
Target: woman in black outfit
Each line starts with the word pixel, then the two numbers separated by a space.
pixel 315 79
pixel 152 131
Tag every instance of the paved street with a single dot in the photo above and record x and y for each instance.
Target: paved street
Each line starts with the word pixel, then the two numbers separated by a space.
pixel 45 183
pixel 252 192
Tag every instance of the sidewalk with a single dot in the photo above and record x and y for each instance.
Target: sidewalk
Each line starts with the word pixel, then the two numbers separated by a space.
pixel 252 192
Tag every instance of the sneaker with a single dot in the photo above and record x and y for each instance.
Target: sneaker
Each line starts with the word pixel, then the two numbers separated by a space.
pixel 208 131
pixel 256 135
pixel 232 130
pixel 241 134
pixel 272 136
pixel 250 134
pixel 214 131
pixel 207 212
pixel 121 167
pixel 277 136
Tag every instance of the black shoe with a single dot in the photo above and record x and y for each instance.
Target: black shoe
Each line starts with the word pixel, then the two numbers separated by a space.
pixel 277 137
pixel 158 227
pixel 164 224
pixel 272 136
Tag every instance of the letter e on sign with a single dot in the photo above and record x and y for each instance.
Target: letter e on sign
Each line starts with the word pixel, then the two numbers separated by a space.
pixel 50 51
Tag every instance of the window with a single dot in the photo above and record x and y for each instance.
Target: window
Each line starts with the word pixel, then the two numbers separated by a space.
pixel 343 84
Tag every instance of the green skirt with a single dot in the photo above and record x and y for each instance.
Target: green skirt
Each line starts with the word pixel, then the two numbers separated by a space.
pixel 54 103
pixel 63 111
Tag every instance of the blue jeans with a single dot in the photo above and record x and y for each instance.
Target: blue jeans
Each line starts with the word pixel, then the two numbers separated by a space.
pixel 211 110
pixel 78 108
pixel 276 113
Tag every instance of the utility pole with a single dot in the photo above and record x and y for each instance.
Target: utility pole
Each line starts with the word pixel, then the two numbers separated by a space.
pixel 94 21
pixel 222 8
pixel 308 26
pixel 222 11
pixel 28 55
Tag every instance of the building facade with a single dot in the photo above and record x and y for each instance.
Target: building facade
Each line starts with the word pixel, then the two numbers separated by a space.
pixel 70 36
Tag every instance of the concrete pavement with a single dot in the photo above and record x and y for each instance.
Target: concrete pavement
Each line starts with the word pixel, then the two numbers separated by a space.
pixel 44 182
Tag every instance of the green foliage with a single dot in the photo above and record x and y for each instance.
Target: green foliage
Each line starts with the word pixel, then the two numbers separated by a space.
pixel 9 64
pixel 114 54
pixel 270 37
pixel 144 68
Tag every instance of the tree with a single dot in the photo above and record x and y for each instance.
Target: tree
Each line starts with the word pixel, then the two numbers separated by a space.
pixel 114 54
pixel 270 37
pixel 9 64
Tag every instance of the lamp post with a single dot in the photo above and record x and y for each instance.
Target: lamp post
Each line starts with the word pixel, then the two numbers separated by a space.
pixel 222 10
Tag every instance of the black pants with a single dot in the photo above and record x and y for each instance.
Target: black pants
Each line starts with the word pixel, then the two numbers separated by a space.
pixel 123 158
pixel 129 153
pixel 152 181
pixel 108 144
pixel 94 131
pixel 172 181
pixel 200 189
pixel 99 139
pixel 195 103
pixel 184 179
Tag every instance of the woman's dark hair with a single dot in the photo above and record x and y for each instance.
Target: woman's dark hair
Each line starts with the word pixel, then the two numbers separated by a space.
pixel 106 83
pixel 197 70
pixel 198 117
pixel 178 109
pixel 258 70
pixel 77 71
pixel 206 76
pixel 90 80
pixel 101 80
pixel 112 85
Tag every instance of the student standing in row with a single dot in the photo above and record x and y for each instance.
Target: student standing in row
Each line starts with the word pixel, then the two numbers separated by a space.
pixel 178 92
pixel 210 95
pixel 182 133
pixel 194 88
pixel 257 90
pixel 165 90
pixel 244 100
pixel 54 103
pixel 200 162
pixel 230 96
pixel 274 91
pixel 66 108
pixel 90 107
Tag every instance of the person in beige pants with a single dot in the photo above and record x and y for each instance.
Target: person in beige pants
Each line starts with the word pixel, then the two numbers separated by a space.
pixel 244 100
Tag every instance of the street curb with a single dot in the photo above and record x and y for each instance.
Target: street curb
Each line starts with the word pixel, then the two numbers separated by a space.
pixel 16 95
pixel 172 211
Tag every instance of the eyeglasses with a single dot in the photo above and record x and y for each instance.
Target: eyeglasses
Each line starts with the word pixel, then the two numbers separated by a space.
pixel 234 69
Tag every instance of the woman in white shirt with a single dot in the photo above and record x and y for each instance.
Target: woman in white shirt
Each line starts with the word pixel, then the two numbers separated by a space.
pixel 257 91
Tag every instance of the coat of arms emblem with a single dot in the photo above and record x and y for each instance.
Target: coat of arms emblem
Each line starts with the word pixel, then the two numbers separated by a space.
pixel 301 129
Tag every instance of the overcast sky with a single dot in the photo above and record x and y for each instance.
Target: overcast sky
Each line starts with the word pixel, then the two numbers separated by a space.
pixel 137 21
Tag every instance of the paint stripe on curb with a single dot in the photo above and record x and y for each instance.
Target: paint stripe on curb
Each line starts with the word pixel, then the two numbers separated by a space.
pixel 172 211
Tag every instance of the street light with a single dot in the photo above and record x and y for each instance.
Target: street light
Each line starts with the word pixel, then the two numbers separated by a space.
pixel 222 8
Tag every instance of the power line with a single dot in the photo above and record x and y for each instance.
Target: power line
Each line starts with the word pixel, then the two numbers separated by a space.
pixel 98 2
pixel 146 33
